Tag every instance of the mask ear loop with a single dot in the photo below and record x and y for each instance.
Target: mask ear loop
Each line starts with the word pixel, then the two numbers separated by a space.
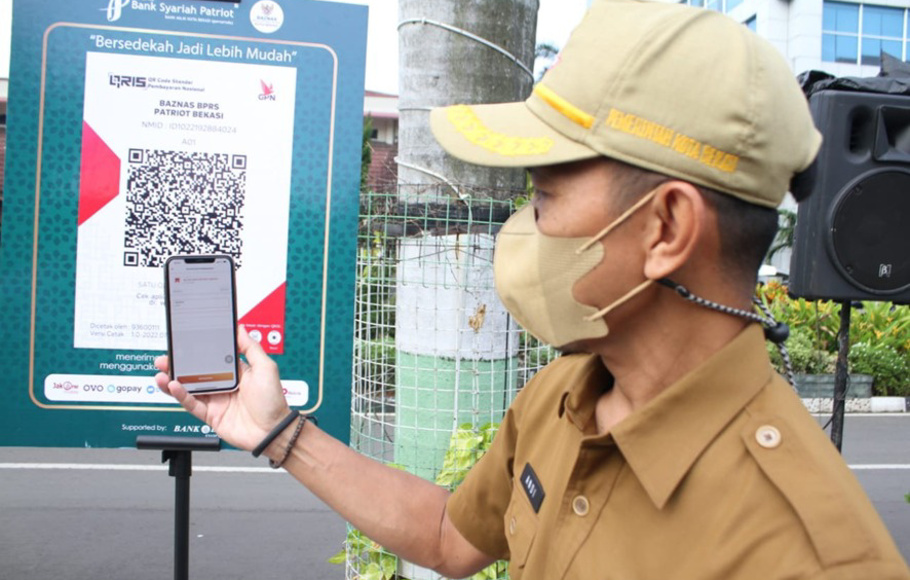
pixel 626 297
pixel 617 222
pixel 776 332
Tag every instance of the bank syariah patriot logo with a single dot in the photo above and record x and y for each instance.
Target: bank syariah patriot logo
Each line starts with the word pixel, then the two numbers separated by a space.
pixel 114 11
pixel 115 8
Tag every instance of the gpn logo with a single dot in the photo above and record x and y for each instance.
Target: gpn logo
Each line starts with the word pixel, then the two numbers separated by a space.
pixel 268 91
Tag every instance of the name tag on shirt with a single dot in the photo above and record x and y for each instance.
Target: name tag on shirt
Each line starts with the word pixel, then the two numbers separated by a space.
pixel 532 487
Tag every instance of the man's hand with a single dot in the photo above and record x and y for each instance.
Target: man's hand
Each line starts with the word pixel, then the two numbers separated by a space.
pixel 245 416
pixel 404 513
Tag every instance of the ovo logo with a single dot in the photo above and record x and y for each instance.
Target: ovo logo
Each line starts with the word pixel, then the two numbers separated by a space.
pixel 115 9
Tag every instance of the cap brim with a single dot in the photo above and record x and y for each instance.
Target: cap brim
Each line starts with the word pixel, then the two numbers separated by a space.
pixel 503 135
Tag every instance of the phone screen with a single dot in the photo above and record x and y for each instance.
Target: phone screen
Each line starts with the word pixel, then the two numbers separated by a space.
pixel 202 322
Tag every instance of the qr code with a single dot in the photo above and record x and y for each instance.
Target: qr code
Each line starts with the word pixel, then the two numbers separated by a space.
pixel 181 202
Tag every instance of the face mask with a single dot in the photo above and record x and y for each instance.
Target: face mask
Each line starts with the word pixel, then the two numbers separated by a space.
pixel 535 275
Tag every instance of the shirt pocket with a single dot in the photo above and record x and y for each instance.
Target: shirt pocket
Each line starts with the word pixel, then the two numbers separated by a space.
pixel 521 529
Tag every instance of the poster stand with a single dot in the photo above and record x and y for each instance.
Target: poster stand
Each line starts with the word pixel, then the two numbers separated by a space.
pixel 178 451
pixel 160 127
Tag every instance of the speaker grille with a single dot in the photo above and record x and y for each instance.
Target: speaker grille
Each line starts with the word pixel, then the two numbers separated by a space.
pixel 870 232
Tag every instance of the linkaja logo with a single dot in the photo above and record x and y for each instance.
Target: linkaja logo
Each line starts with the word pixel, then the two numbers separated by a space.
pixel 268 91
pixel 67 387
pixel 115 9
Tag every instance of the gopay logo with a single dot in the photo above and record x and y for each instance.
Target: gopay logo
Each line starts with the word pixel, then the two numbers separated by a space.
pixel 115 9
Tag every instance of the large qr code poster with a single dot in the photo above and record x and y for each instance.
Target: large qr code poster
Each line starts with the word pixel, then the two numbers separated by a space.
pixel 180 157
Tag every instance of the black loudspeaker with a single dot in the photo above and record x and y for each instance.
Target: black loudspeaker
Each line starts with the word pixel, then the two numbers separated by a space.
pixel 852 239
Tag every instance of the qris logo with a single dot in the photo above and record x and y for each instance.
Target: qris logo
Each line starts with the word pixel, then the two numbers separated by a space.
pixel 128 81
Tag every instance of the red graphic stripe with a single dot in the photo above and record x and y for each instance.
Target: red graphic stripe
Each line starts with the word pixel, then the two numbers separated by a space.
pixel 99 174
pixel 267 318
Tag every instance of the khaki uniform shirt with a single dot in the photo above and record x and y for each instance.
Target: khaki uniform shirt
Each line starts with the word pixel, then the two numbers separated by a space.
pixel 723 476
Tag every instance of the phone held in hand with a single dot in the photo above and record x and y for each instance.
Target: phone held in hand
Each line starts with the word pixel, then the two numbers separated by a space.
pixel 200 298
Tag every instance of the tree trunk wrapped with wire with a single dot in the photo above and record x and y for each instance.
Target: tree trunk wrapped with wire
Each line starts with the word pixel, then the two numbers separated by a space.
pixel 437 355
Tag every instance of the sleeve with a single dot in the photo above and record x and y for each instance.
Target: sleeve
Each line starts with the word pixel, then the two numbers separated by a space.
pixel 477 507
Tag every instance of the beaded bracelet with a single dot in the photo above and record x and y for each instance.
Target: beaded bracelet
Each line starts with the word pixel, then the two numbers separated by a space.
pixel 287 450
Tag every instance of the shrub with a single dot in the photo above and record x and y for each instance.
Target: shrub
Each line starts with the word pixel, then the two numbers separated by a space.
pixel 881 323
pixel 804 355
pixel 819 318
pixel 879 337
pixel 888 367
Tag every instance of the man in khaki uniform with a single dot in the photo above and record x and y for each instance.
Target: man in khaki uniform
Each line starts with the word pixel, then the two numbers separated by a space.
pixel 665 446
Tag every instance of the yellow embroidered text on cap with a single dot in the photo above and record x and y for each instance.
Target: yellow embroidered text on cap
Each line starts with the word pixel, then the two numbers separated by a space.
pixel 682 144
pixel 472 128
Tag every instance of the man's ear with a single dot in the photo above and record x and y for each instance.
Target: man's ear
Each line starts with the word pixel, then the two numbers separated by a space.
pixel 676 225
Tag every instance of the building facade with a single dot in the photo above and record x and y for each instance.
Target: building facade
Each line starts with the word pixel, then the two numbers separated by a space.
pixel 382 111
pixel 842 37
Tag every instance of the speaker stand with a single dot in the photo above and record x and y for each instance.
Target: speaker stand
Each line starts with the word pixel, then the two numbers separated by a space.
pixel 840 376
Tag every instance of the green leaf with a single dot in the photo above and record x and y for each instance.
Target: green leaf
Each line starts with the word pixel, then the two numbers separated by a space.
pixel 466 446
pixel 389 565
pixel 372 572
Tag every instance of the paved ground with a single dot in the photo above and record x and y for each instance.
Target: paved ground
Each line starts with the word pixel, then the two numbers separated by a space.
pixel 113 523
pixel 110 515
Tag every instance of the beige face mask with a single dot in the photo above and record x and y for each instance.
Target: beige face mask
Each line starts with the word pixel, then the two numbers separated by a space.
pixel 535 275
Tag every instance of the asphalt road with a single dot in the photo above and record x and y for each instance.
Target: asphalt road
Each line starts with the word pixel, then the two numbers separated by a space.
pixel 84 514
pixel 104 519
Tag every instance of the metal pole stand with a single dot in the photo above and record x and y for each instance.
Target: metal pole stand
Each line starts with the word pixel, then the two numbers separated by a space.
pixel 179 452
pixel 840 376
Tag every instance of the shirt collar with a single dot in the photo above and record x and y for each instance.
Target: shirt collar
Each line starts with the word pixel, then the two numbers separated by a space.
pixel 579 400
pixel 662 440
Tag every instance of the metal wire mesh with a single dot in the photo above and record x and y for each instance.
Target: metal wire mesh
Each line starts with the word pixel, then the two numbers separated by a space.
pixel 437 358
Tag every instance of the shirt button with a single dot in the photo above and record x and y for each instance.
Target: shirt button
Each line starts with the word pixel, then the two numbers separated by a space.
pixel 512 526
pixel 580 505
pixel 768 436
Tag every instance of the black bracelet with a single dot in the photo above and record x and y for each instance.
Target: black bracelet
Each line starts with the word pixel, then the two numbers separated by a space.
pixel 275 432
pixel 287 450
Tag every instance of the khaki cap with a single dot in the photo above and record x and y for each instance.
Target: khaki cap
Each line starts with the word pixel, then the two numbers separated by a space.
pixel 682 91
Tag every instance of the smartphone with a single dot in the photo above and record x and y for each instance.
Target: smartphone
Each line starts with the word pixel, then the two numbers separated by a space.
pixel 200 298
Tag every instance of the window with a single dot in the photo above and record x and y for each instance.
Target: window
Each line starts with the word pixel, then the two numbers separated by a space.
pixel 858 33
pixel 716 5
pixel 751 24
pixel 883 31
